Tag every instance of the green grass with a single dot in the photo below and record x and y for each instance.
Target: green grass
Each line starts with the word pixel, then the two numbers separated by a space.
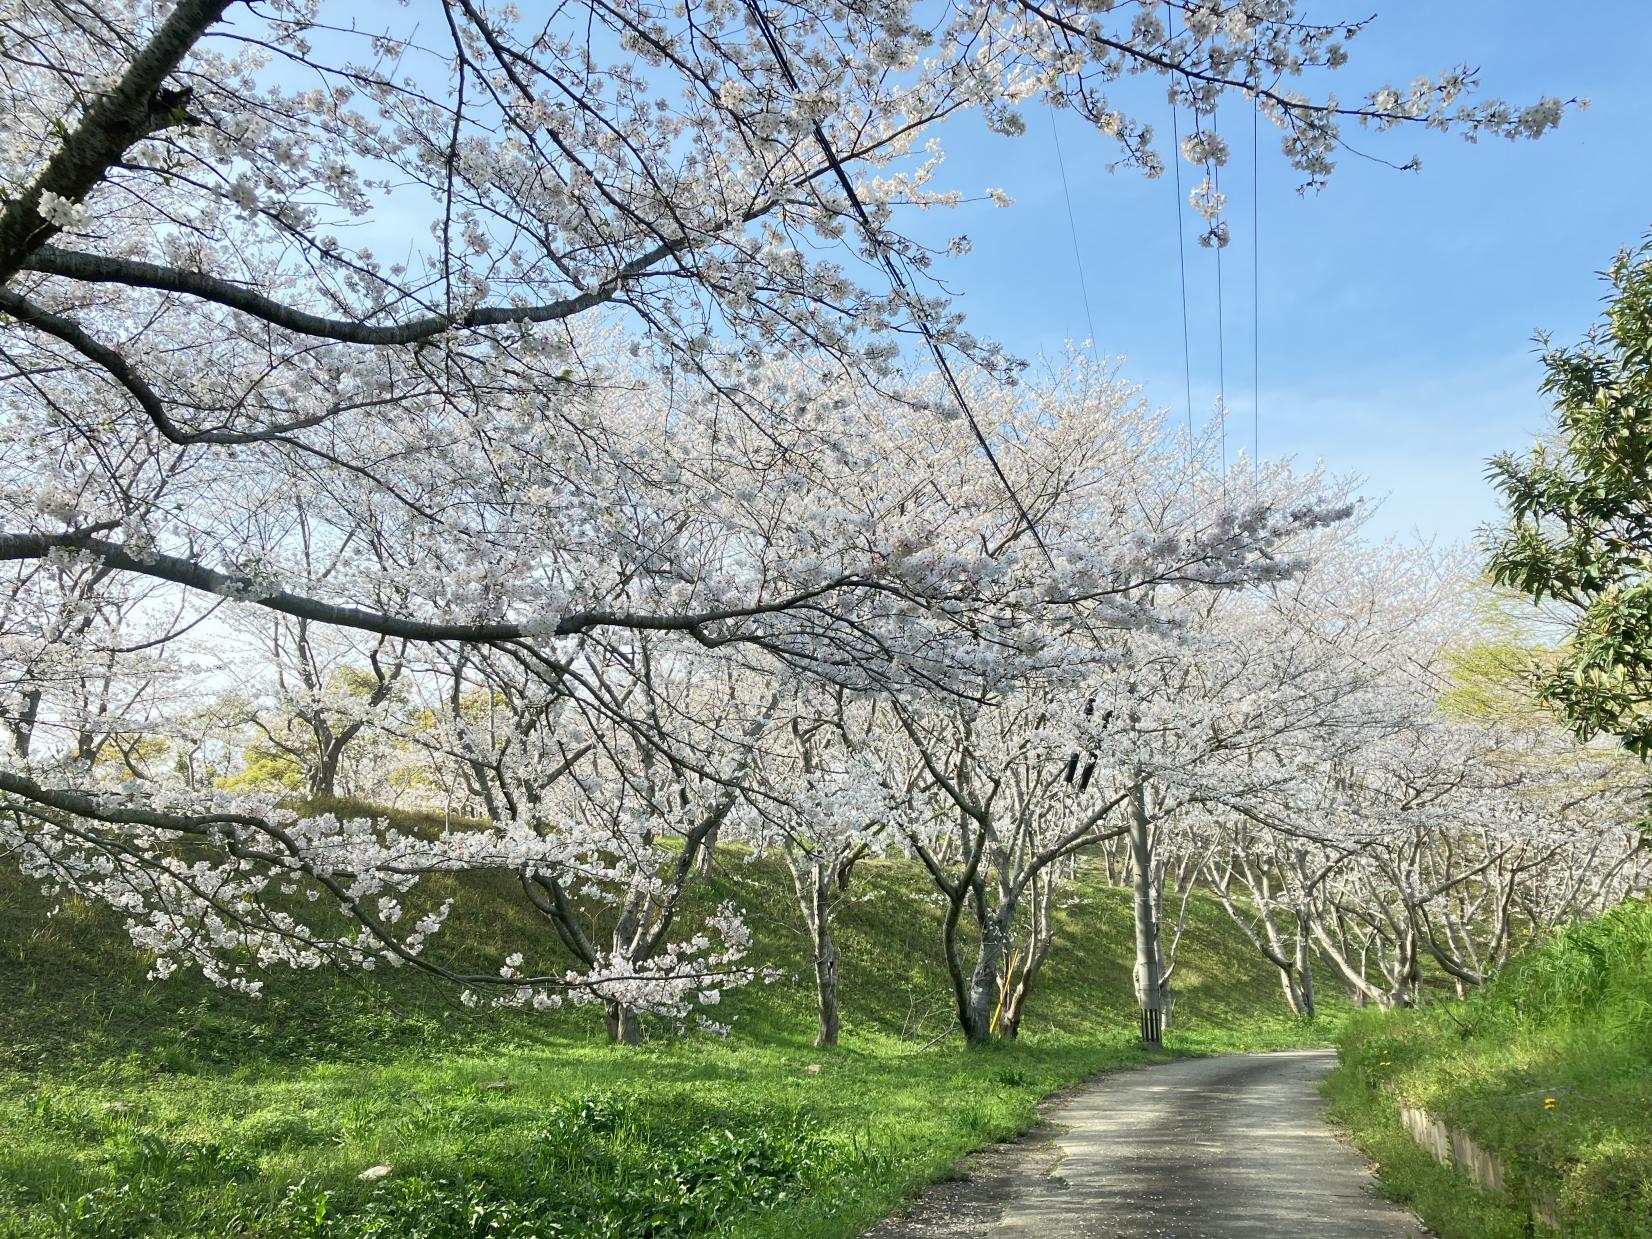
pixel 1550 1068
pixel 168 1108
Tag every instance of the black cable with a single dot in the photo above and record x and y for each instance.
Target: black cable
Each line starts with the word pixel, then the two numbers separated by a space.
pixel 1256 297
pixel 1181 248
pixel 1072 226
pixel 900 280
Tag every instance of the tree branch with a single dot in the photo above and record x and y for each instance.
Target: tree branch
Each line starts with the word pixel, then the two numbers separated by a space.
pixel 132 110
pixel 243 587
pixel 135 273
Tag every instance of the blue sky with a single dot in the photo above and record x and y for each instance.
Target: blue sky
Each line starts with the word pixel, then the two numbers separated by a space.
pixel 1395 310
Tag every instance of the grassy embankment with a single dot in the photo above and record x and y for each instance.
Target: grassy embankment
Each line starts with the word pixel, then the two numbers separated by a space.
pixel 1550 1068
pixel 168 1108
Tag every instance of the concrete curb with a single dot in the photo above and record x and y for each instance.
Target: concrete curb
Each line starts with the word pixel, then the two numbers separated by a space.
pixel 1452 1146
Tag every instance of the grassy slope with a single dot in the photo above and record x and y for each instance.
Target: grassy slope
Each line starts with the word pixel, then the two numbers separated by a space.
pixel 1551 1068
pixel 136 1107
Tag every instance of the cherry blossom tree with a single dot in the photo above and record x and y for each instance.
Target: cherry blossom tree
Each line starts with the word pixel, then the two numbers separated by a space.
pixel 635 809
pixel 1055 753
pixel 993 814
pixel 822 801
pixel 1208 709
pixel 628 366
pixel 1401 829
pixel 322 702
pixel 1265 883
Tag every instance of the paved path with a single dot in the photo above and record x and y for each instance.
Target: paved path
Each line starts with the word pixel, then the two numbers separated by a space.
pixel 1234 1147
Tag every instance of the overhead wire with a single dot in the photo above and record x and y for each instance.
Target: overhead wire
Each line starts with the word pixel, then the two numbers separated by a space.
pixel 900 280
pixel 1256 295
pixel 902 284
pixel 1219 245
pixel 1072 227
pixel 1181 252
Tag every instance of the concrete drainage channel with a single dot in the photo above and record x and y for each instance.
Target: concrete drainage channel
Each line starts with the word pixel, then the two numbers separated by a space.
pixel 1452 1146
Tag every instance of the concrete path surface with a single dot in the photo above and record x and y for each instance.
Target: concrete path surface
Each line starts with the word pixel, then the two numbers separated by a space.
pixel 1234 1147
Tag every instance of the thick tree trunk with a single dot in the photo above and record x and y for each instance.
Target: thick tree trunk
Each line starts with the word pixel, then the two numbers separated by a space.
pixel 954 963
pixel 1293 998
pixel 1305 964
pixel 622 1021
pixel 819 915
pixel 985 983
pixel 22 727
pixel 983 990
pixel 624 1025
pixel 1164 946
pixel 1405 988
pixel 1300 989
pixel 708 849
pixel 826 956
pixel 812 880
pixel 1149 981
pixel 974 1015
pixel 324 774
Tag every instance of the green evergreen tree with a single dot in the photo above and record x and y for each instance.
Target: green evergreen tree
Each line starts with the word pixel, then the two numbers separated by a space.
pixel 1578 521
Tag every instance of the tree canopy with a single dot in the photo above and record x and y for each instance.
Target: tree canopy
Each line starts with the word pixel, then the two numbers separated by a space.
pixel 1579 516
pixel 551 413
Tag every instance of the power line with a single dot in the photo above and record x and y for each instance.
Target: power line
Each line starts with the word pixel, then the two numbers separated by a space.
pixel 1181 242
pixel 1072 226
pixel 1221 337
pixel 1256 295
pixel 899 279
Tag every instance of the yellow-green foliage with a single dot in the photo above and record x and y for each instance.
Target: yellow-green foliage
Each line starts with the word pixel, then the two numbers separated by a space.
pixel 1493 677
pixel 265 769
pixel 1490 681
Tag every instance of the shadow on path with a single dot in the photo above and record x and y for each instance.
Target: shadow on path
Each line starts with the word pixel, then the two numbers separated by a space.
pixel 1234 1147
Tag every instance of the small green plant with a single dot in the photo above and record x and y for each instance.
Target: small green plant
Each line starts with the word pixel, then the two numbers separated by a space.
pixel 1550 1068
pixel 149 1155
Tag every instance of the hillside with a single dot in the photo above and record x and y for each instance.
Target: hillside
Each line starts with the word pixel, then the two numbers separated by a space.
pixel 1550 1068
pixel 169 1108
